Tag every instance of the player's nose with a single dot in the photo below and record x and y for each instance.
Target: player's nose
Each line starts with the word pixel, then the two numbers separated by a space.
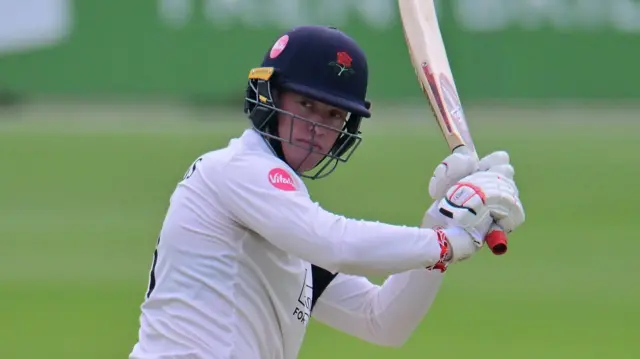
pixel 316 125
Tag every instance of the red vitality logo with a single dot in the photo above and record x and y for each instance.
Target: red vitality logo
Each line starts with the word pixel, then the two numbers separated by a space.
pixel 281 180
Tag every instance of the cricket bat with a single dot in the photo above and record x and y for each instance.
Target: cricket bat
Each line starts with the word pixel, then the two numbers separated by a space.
pixel 429 59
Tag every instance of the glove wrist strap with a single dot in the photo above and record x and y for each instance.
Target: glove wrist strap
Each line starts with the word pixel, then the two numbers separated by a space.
pixel 445 251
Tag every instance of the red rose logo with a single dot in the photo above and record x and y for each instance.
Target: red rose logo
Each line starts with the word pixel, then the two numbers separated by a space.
pixel 344 59
pixel 342 64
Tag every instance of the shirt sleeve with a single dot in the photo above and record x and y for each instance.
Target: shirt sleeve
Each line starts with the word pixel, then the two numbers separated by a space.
pixel 266 197
pixel 383 315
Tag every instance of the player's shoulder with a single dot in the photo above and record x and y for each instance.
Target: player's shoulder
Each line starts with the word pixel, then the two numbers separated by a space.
pixel 247 159
pixel 261 170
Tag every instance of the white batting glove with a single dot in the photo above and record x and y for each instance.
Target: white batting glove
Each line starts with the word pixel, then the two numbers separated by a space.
pixel 462 244
pixel 498 162
pixel 479 199
pixel 461 163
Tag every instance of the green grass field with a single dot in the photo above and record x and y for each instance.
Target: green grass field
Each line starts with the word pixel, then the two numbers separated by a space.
pixel 84 190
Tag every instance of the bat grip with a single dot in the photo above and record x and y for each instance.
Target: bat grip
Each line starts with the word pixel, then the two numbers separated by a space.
pixel 496 240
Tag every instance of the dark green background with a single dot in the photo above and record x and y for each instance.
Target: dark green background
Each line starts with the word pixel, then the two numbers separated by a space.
pixel 122 47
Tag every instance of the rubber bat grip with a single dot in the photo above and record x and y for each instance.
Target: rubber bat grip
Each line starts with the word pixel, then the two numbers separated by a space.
pixel 496 240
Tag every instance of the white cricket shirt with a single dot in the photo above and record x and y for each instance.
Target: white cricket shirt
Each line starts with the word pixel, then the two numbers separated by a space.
pixel 231 275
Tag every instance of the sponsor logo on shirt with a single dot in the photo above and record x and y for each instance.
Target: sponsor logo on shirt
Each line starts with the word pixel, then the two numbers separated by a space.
pixel 281 180
pixel 303 308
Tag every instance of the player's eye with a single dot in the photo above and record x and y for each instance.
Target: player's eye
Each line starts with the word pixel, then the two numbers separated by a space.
pixel 306 104
pixel 336 121
pixel 338 115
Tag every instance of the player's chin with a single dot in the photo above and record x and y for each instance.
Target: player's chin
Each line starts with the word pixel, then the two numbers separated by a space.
pixel 307 162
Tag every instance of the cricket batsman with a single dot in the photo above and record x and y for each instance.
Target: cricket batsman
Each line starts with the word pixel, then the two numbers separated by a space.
pixel 245 257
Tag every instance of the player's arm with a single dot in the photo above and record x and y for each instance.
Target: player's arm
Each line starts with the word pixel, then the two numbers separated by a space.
pixel 387 314
pixel 384 315
pixel 291 221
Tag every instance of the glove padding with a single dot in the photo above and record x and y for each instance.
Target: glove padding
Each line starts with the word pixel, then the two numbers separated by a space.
pixel 481 198
pixel 498 162
pixel 462 163
pixel 461 243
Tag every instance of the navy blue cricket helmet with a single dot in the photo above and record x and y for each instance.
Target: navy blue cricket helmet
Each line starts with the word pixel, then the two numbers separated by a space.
pixel 318 62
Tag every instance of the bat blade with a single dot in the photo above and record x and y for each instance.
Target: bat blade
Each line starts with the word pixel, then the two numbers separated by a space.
pixel 429 59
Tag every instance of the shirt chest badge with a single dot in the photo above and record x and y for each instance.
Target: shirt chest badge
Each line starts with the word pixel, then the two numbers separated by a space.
pixel 305 298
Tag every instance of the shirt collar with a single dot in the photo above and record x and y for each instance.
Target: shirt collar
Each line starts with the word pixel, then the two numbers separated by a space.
pixel 252 140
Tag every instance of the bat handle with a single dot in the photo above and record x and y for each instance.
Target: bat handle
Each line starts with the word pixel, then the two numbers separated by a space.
pixel 496 240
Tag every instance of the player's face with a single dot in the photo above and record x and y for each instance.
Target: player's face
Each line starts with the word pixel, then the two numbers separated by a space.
pixel 310 139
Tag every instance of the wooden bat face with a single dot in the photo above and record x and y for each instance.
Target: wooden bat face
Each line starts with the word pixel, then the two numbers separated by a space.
pixel 429 59
pixel 449 105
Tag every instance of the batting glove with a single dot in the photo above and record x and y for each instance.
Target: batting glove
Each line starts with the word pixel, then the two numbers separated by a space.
pixel 481 198
pixel 456 244
pixel 462 163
